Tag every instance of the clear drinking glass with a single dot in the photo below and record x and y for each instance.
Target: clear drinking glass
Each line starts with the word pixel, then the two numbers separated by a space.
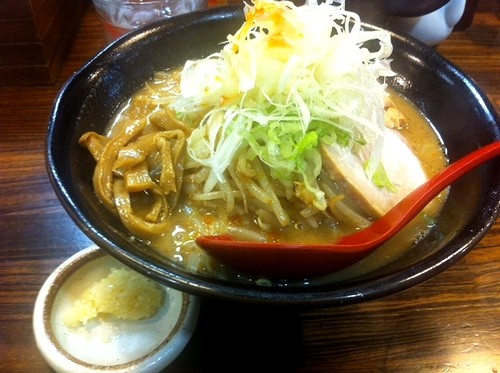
pixel 121 16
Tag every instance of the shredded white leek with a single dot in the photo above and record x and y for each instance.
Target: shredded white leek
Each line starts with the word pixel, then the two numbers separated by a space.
pixel 289 79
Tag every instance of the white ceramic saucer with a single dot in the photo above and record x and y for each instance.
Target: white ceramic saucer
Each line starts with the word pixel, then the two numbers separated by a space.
pixel 109 346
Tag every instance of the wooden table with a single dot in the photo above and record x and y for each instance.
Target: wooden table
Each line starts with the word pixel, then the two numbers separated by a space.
pixel 448 324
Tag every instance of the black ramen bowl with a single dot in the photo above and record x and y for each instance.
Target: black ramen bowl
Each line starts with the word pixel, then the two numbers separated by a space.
pixel 461 114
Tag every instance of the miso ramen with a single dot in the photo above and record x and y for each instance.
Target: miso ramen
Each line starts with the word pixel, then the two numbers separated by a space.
pixel 206 149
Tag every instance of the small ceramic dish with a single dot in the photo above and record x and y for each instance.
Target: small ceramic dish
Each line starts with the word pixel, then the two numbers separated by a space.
pixel 147 345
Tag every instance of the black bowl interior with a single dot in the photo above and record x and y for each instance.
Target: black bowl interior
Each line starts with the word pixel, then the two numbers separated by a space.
pixel 461 113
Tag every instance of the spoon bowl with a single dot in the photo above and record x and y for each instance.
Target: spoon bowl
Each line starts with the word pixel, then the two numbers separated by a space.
pixel 296 260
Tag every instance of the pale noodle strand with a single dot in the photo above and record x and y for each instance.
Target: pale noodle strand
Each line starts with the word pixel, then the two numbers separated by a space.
pixel 309 211
pixel 245 234
pixel 312 222
pixel 202 175
pixel 244 167
pixel 263 225
pixel 210 196
pixel 228 196
pixel 346 214
pixel 239 185
pixel 267 219
pixel 265 184
pixel 258 192
pixel 340 209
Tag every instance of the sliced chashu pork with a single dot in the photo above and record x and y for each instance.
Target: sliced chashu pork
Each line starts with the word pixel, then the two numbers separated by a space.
pixel 401 165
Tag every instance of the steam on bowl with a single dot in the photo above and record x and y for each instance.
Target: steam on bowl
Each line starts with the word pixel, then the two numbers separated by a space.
pixel 461 113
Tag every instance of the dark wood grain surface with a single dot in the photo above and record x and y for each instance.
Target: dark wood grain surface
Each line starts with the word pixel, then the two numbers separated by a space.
pixel 451 323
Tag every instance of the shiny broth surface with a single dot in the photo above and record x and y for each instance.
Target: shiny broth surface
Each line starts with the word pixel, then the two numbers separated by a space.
pixel 189 218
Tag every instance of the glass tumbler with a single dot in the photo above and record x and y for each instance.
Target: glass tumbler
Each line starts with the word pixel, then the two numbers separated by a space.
pixel 121 16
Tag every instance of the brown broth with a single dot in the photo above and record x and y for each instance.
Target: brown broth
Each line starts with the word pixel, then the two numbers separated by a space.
pixel 191 219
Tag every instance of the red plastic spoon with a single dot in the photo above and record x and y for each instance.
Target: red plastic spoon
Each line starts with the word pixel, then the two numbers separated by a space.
pixel 288 260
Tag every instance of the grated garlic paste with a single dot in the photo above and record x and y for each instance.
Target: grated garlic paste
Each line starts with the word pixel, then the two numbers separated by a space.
pixel 122 295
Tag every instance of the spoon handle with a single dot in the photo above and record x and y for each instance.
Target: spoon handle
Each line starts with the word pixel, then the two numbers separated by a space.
pixel 401 214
